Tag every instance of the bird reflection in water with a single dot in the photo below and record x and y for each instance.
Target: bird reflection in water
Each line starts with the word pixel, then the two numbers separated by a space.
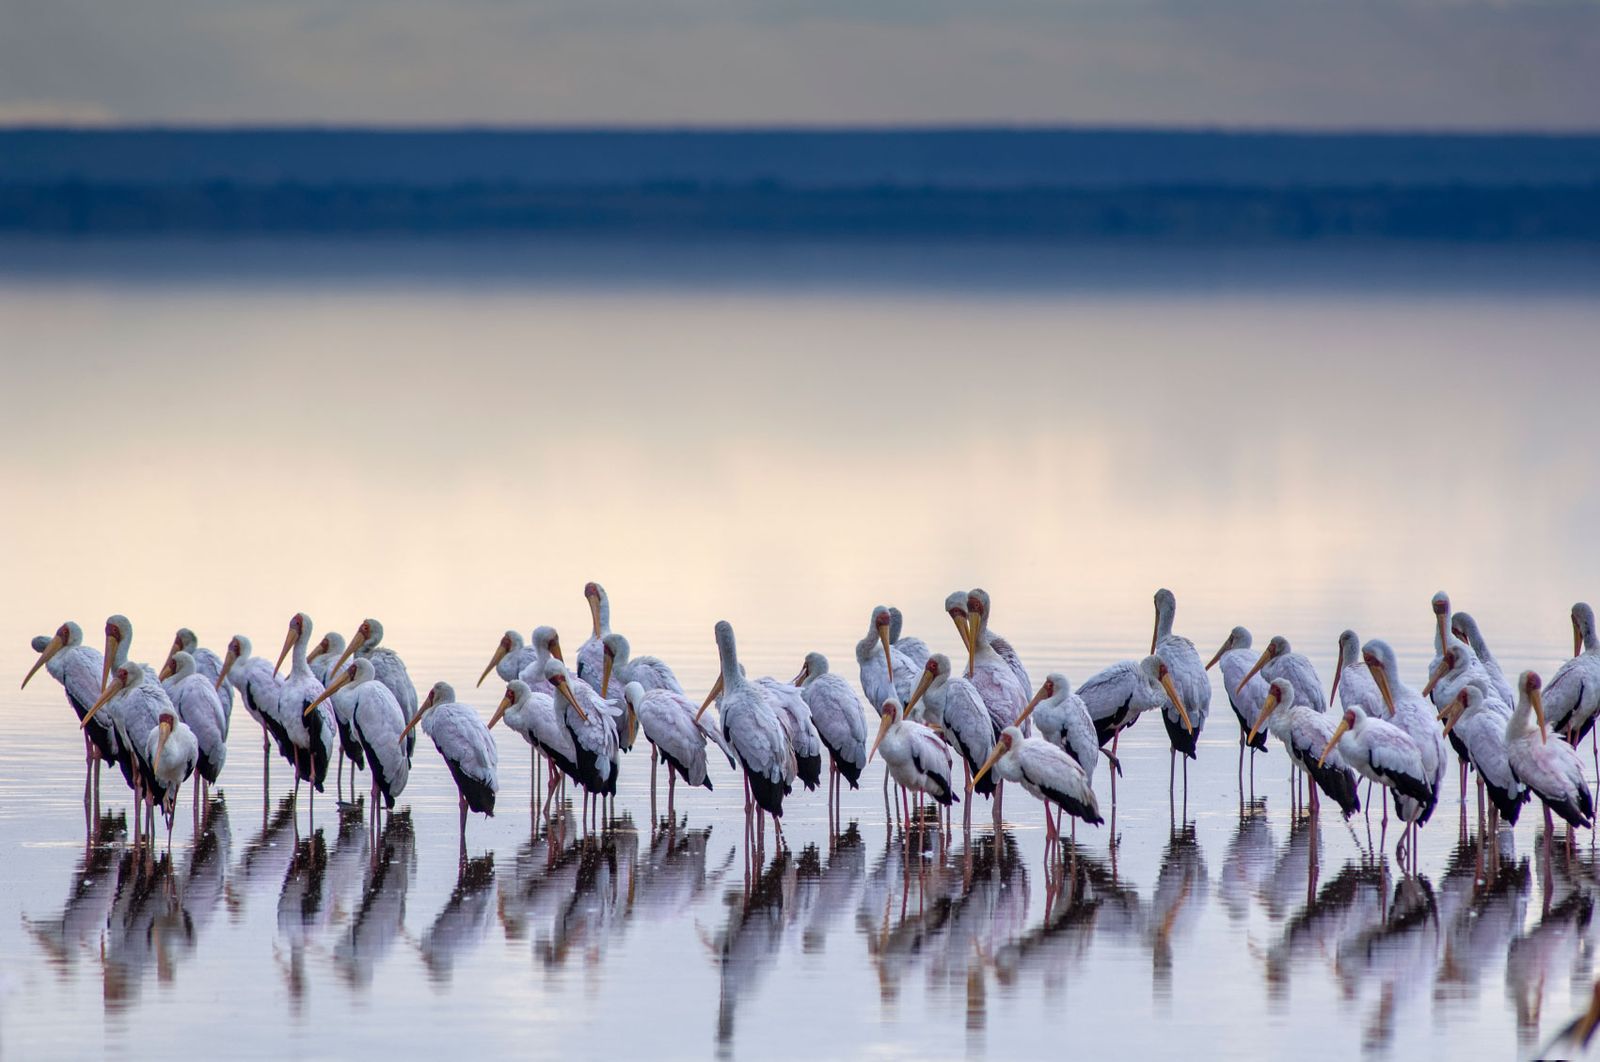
pixel 81 925
pixel 1249 861
pixel 1557 947
pixel 1292 883
pixel 602 872
pixel 464 920
pixel 533 886
pixel 265 859
pixel 303 912
pixel 1182 885
pixel 379 917
pixel 1396 957
pixel 1483 900
pixel 673 875
pixel 1348 906
pixel 827 890
pixel 750 942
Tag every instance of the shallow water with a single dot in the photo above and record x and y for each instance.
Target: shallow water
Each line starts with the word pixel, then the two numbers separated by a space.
pixel 217 436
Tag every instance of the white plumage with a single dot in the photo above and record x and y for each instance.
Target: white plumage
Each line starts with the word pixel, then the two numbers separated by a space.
pixel 1551 770
pixel 1409 711
pixel 1307 735
pixel 1064 722
pixel 376 725
pixel 836 713
pixel 795 716
pixel 1478 726
pixel 1116 696
pixel 885 671
pixel 511 655
pixel 669 724
pixel 1572 699
pixel 465 744
pixel 306 739
pixel 916 757
pixel 195 698
pixel 751 725
pixel 1188 676
pixel 591 654
pixel 1047 772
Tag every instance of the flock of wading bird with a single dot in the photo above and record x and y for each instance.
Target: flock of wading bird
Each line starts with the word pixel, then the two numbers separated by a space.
pixel 356 700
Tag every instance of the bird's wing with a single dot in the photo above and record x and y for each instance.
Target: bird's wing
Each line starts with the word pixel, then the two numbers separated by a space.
pixel 1107 692
pixel 391 671
pixel 967 719
pixel 461 736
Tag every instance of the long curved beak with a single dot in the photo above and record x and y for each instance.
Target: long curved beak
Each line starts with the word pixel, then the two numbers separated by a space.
pixel 800 679
pixel 1261 662
pixel 1433 679
pixel 1338 732
pixel 716 691
pixel 1218 656
pixel 421 711
pixel 105 695
pixel 605 676
pixel 888 660
pixel 883 728
pixel 1382 679
pixel 594 614
pixel 1577 638
pixel 1155 635
pixel 916 694
pixel 176 645
pixel 1338 670
pixel 344 680
pixel 994 758
pixel 1037 697
pixel 49 651
pixel 1177 702
pixel 1444 631
pixel 227 666
pixel 1538 710
pixel 494 661
pixel 288 644
pixel 166 732
pixel 572 699
pixel 1455 710
pixel 112 641
pixel 350 650
pixel 1268 706
pixel 974 628
pixel 961 629
pixel 168 669
pixel 505 703
pixel 555 650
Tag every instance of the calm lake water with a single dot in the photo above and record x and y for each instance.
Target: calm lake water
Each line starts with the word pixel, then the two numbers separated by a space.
pixel 455 437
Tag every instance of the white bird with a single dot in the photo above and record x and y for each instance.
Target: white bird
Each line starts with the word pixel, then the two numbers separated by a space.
pixel 1048 773
pixel 208 664
pixel 1573 698
pixel 1352 677
pixel 172 751
pixel 1119 694
pixel 979 613
pixel 466 745
pixel 1459 669
pixel 1183 721
pixel 917 757
pixel 195 698
pixel 751 725
pixel 948 702
pixel 258 686
pixel 77 667
pixel 593 726
pixel 306 738
pixel 386 664
pixel 377 727
pixel 1307 735
pixel 1247 691
pixel 1411 712
pixel 1551 770
pixel 325 655
pixel 134 700
pixel 1064 721
pixel 668 719
pixel 885 671
pixel 840 722
pixel 1476 726
pixel 538 719
pixel 1279 661
pixel 119 639
pixel 546 646
pixel 619 667
pixel 1381 752
pixel 1463 626
pixel 591 654
pixel 511 655
pixel 795 716
pixel 915 649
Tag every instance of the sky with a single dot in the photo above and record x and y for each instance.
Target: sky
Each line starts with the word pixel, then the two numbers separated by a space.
pixel 1323 64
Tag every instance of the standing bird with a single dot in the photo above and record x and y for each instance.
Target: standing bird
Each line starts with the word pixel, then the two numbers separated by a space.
pixel 1477 726
pixel 1279 661
pixel 1049 774
pixel 511 655
pixel 1116 696
pixel 306 737
pixel 1353 677
pixel 1381 752
pixel 751 725
pixel 885 671
pixel 1409 711
pixel 1183 721
pixel 1573 699
pixel 376 727
pixel 461 737
pixel 669 722
pixel 540 722
pixel 77 667
pixel 325 655
pixel 172 752
pixel 978 610
pixel 1459 669
pixel 1064 721
pixel 591 654
pixel 1307 734
pixel 195 698
pixel 134 701
pixel 1551 770
pixel 997 675
pixel 619 667
pixel 258 685
pixel 1246 690
pixel 208 664
pixel 386 665
pixel 915 649
pixel 798 727
pixel 593 726
pixel 1463 626
pixel 914 754
pixel 836 712
pixel 953 706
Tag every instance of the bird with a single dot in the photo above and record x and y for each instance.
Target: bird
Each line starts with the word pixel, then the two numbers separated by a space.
pixel 194 695
pixel 593 726
pixel 134 701
pixel 1184 720
pixel 511 655
pixel 171 750
pixel 1352 676
pixel 1409 711
pixel 978 609
pixel 915 649
pixel 207 664
pixel 750 723
pixel 1382 753
pixel 885 671
pixel 1117 695
pixel 386 664
pixel 1064 721
pixel 119 639
pixel 77 667
pixel 1573 697
pixel 1476 725
pixel 325 655
pixel 1551 770
pixel 836 713
pixel 1246 692
pixel 467 747
pixel 306 738
pixel 648 671
pixel 1279 660
pixel 375 726
pixel 546 646
pixel 258 686
pixel 798 727
pixel 537 718
pixel 1048 773
pixel 1463 626
pixel 591 652
pixel 951 704
pixel 917 757
pixel 1306 733
pixel 1459 669
pixel 668 719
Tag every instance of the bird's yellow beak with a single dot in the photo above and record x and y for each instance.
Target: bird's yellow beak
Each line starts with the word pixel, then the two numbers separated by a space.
pixel 1444 630
pixel 1538 711
pixel 356 642
pixel 105 695
pixel 171 652
pixel 500 652
pixel 1381 677
pixel 974 627
pixel 110 654
pixel 1037 697
pixel 1338 670
pixel 1455 710
pixel 883 728
pixel 1577 637
pixel 1261 662
pixel 962 629
pixel 1268 706
pixel 572 699
pixel 505 702
pixel 56 645
pixel 994 758
pixel 227 665
pixel 594 613
pixel 343 681
pixel 1338 732
pixel 916 694
pixel 1177 702
pixel 888 660
pixel 1433 679
pixel 421 711
pixel 161 745
pixel 289 638
pixel 605 675
pixel 716 691
pixel 1218 655
pixel 168 669
pixel 800 679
